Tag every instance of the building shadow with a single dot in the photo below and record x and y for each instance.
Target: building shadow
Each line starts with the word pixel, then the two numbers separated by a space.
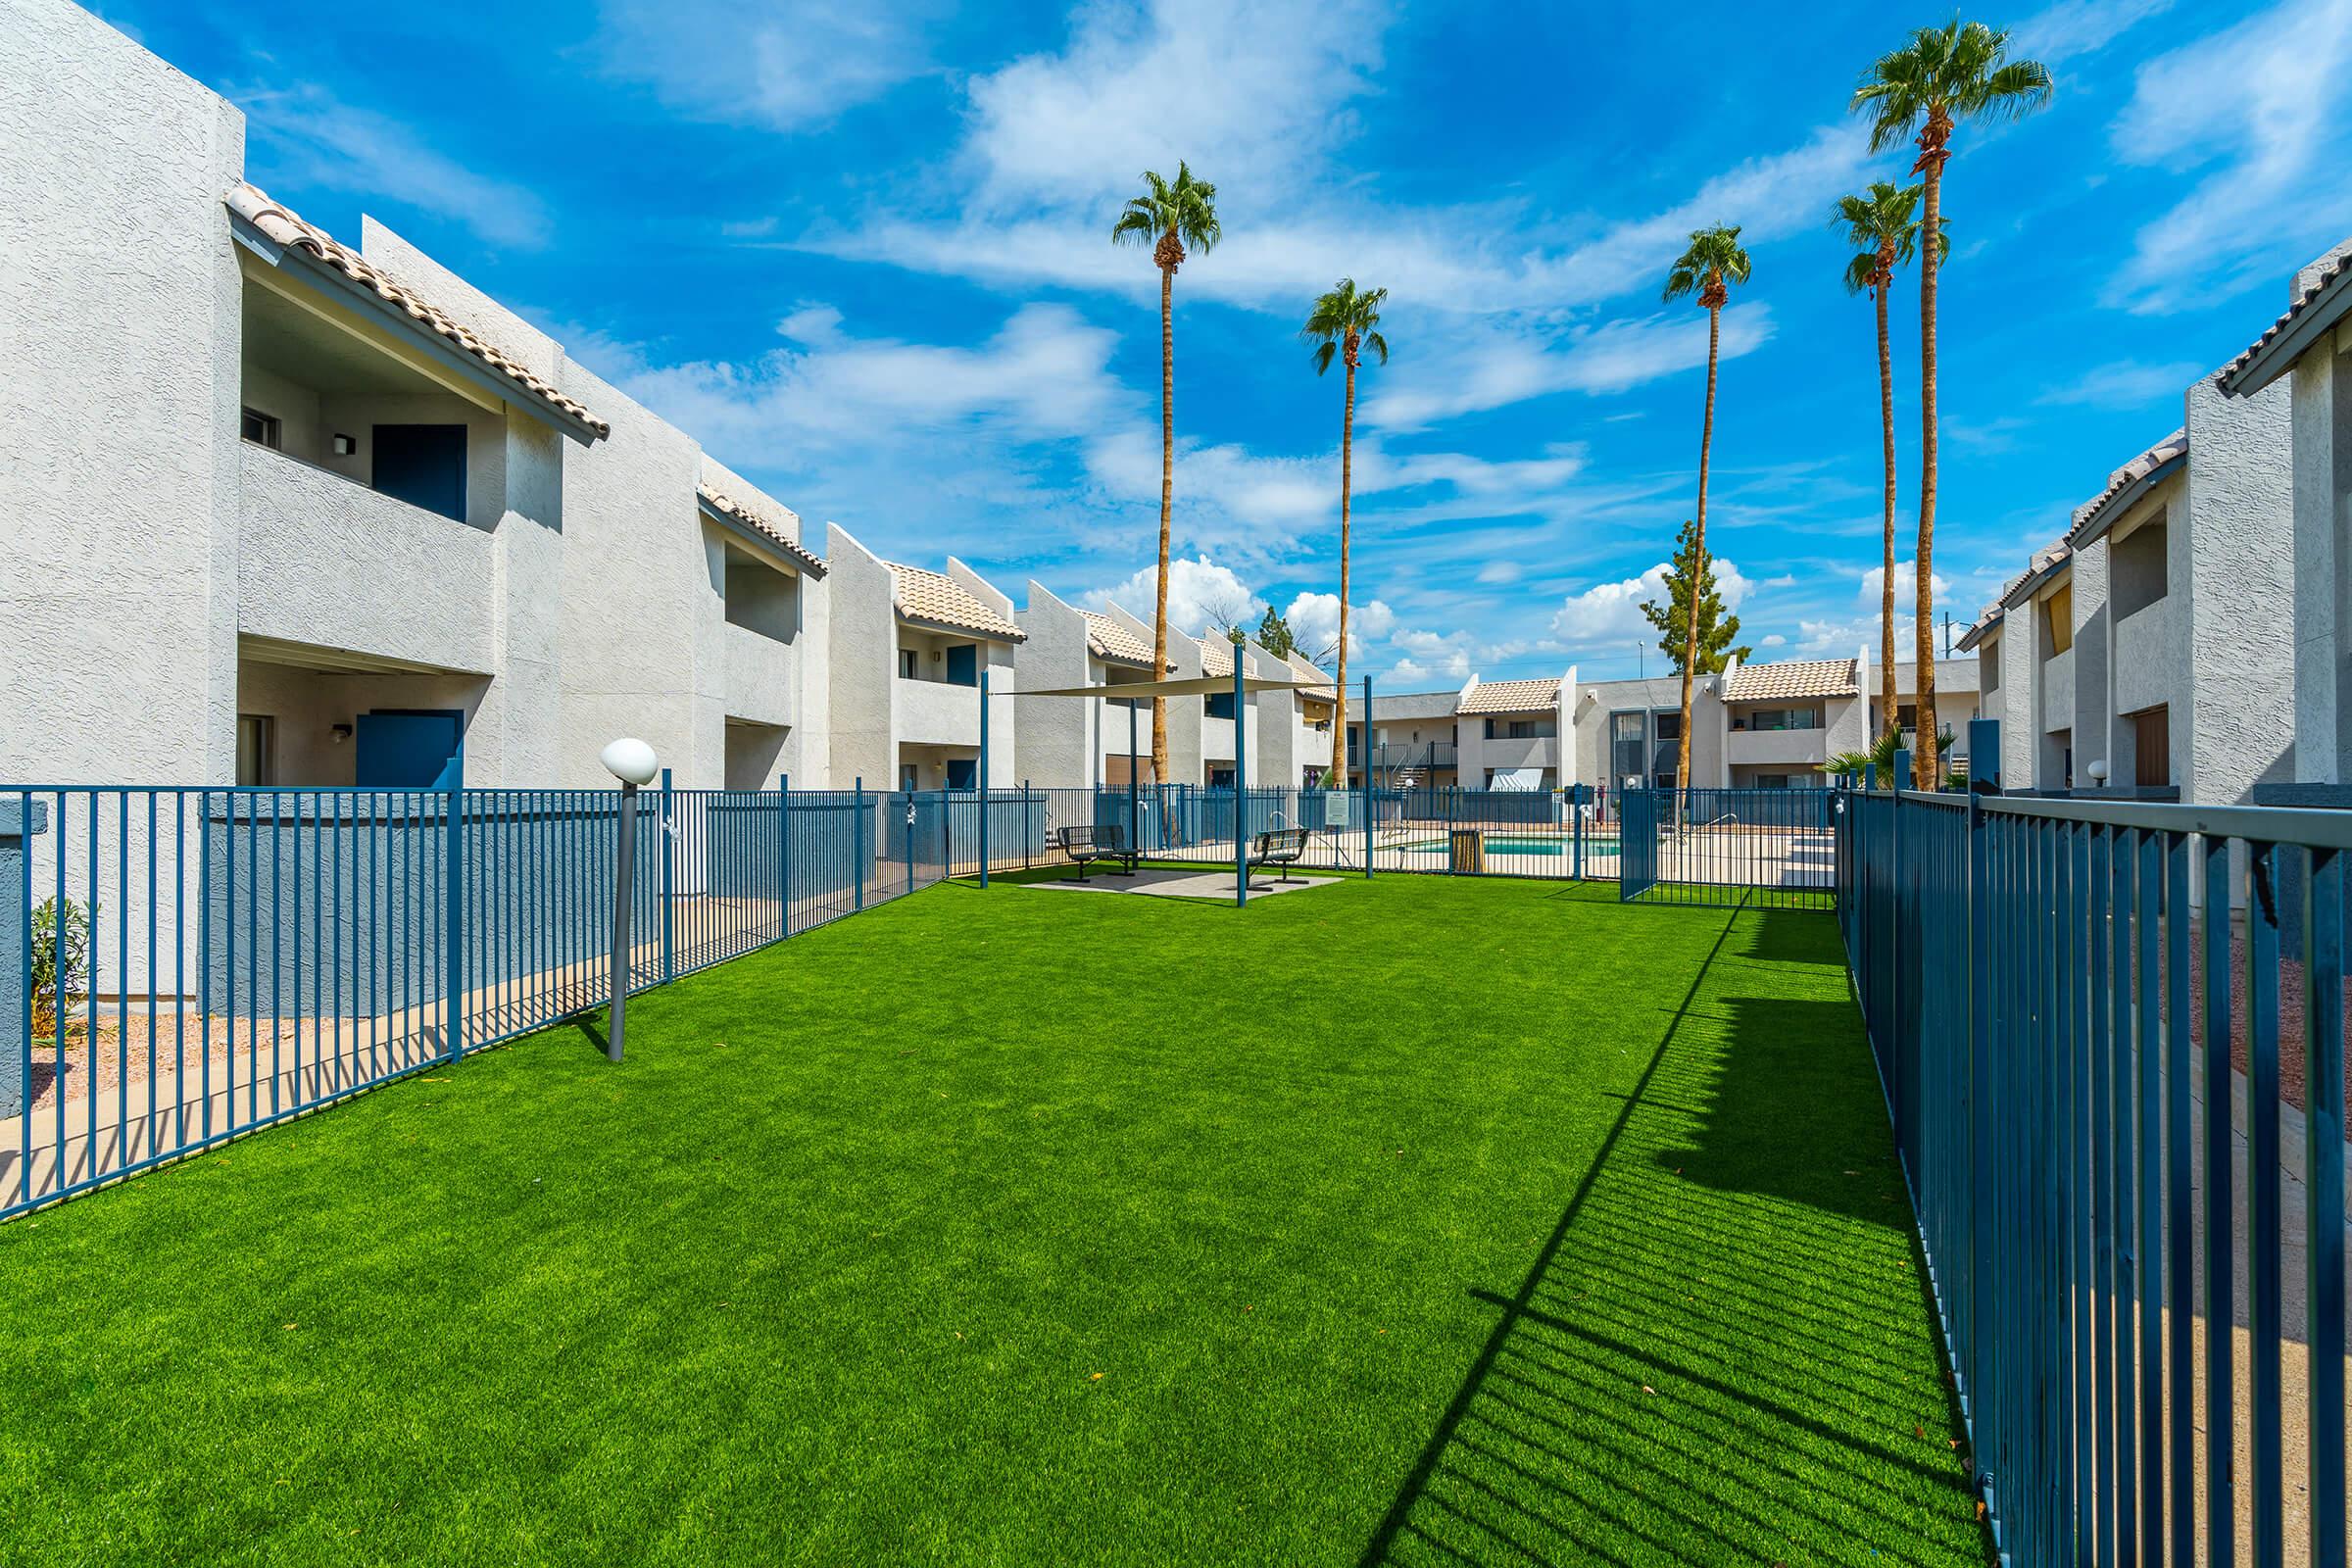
pixel 1720 1353
pixel 1791 936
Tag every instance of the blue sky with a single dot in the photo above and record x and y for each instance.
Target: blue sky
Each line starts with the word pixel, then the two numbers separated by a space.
pixel 861 252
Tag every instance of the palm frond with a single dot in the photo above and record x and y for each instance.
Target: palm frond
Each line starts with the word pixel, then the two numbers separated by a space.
pixel 1378 344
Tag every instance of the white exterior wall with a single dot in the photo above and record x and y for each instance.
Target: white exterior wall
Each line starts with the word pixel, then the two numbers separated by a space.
pixel 119 326
pixel 1185 764
pixel 2323 598
pixel 862 662
pixel 2236 560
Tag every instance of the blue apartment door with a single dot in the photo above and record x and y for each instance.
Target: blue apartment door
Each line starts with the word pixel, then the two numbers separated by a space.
pixel 411 749
pixel 963 666
pixel 962 773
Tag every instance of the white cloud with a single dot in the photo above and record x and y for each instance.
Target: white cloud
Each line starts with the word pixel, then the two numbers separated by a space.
pixel 1261 98
pixel 1489 366
pixel 785 64
pixel 1607 615
pixel 1201 595
pixel 1043 373
pixel 2124 384
pixel 1906 583
pixel 2261 107
pixel 315 138
pixel 2074 27
pixel 1500 572
pixel 1314 621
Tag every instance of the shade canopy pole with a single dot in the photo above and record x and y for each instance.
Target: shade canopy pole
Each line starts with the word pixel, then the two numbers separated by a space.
pixel 1368 777
pixel 983 780
pixel 1135 832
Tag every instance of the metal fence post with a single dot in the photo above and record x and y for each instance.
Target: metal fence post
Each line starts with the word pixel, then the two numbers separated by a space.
pixel 784 855
pixel 1576 828
pixel 668 957
pixel 453 872
pixel 858 843
pixel 1369 841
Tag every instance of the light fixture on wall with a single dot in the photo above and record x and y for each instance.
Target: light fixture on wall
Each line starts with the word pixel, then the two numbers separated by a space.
pixel 345 446
pixel 934 655
pixel 338 733
pixel 2098 772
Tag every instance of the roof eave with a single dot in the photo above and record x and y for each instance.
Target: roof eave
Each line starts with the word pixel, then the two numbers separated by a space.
pixel 2316 316
pixel 925 623
pixel 793 556
pixel 2095 527
pixel 337 285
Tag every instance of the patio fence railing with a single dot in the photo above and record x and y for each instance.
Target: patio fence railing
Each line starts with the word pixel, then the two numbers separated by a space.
pixel 179 967
pixel 2111 1042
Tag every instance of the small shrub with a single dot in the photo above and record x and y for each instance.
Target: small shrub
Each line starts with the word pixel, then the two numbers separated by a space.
pixel 61 956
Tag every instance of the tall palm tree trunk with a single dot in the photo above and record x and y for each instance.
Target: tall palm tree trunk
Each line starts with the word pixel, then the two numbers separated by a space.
pixel 1168 495
pixel 1924 756
pixel 1339 730
pixel 1701 577
pixel 1889 712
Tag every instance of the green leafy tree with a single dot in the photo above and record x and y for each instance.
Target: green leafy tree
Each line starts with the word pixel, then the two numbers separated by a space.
pixel 1710 630
pixel 1343 324
pixel 1884 225
pixel 1941 76
pixel 1712 263
pixel 1274 634
pixel 1169 216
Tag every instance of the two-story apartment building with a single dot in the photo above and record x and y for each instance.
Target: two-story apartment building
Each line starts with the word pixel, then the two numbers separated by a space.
pixel 1415 740
pixel 286 510
pixel 2303 353
pixel 2147 653
pixel 1509 733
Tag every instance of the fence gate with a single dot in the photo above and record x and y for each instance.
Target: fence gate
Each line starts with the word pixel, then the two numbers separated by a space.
pixel 1767 846
pixel 1637 843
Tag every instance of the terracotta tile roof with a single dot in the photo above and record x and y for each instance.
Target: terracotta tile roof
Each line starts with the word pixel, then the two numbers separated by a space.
pixel 1304 668
pixel 1113 643
pixel 2130 474
pixel 1510 697
pixel 936 599
pixel 766 528
pixel 283 227
pixel 1216 654
pixel 1792 678
pixel 2322 277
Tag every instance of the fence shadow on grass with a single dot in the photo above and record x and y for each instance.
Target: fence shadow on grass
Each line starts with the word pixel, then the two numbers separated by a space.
pixel 1711 1359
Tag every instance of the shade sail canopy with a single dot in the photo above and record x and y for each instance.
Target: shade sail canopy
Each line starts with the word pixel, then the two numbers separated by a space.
pixel 1190 686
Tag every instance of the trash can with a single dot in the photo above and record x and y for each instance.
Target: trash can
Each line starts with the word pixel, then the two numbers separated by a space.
pixel 1469 846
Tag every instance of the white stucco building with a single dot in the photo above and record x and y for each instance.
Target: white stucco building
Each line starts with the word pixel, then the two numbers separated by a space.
pixel 2147 653
pixel 2303 355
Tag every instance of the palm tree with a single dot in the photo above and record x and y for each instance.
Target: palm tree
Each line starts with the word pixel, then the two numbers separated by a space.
pixel 1883 223
pixel 1712 264
pixel 1960 70
pixel 1346 321
pixel 1169 216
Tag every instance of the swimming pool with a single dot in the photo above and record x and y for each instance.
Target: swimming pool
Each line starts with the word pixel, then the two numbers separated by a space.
pixel 1519 844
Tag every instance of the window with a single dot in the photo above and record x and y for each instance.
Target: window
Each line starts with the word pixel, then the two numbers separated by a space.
pixel 1779 718
pixel 257 749
pixel 1670 725
pixel 261 429
pixel 424 464
pixel 1519 729
pixel 1627 742
pixel 1768 781
pixel 907 664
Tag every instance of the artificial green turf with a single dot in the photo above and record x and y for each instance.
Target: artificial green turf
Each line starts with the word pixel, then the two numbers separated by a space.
pixel 1417 1220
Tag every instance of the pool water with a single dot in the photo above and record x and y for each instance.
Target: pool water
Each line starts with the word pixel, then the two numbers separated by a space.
pixel 1595 844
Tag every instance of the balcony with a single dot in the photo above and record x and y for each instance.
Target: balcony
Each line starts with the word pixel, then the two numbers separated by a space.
pixel 2147 657
pixel 1777 748
pixel 763 677
pixel 1537 750
pixel 1217 738
pixel 324 561
pixel 937 713
pixel 2057 691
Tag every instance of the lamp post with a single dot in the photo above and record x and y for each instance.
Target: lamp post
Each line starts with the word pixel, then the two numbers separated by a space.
pixel 633 763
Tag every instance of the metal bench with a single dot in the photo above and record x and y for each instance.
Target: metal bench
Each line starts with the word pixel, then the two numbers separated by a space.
pixel 1104 842
pixel 1283 847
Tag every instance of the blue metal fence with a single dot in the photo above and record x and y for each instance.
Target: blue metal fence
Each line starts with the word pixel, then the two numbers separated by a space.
pixel 179 967
pixel 2112 1082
